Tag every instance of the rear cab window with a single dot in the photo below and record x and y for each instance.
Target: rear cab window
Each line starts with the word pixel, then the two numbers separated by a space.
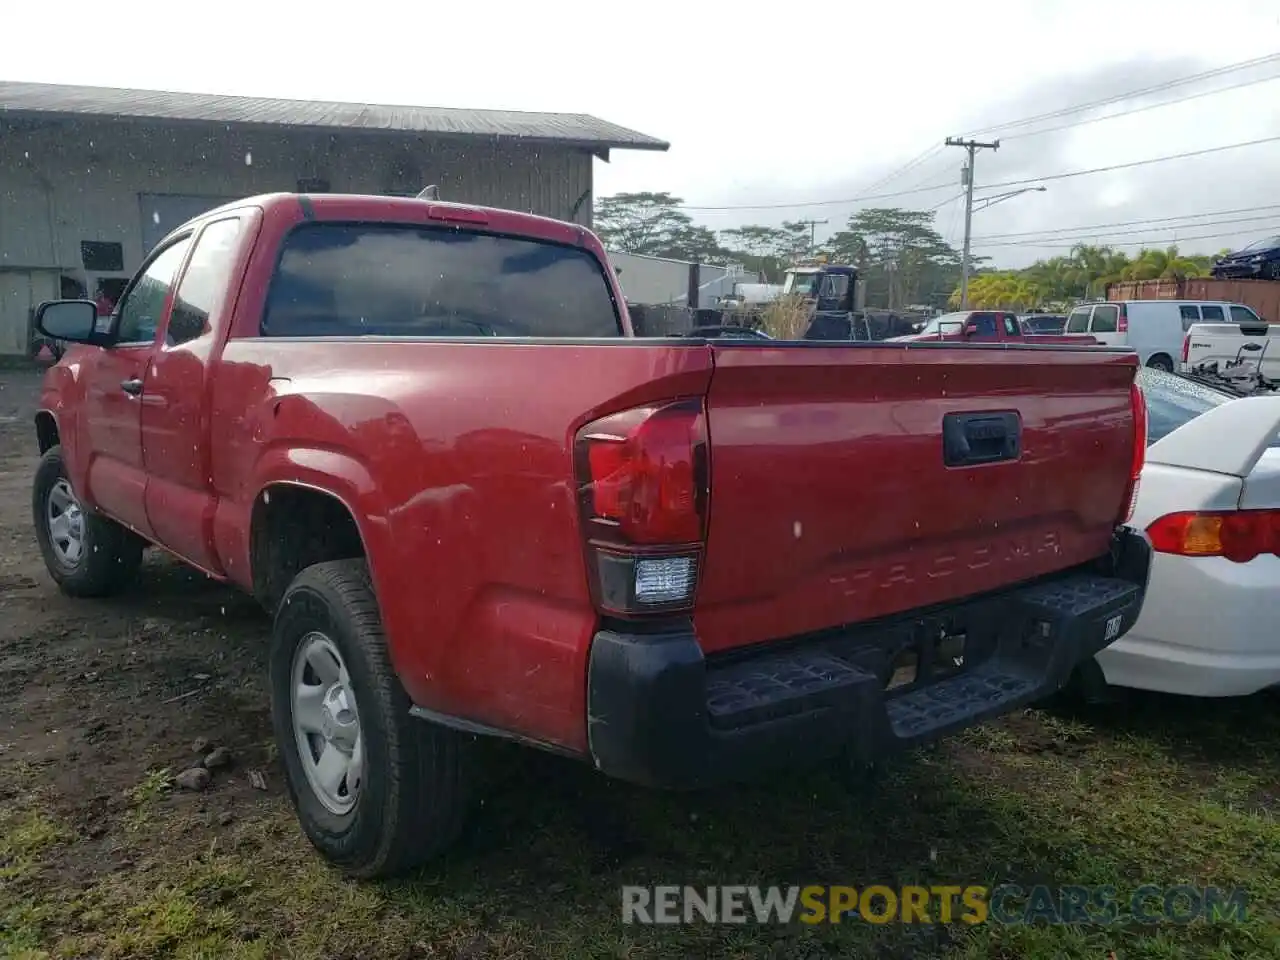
pixel 390 280
pixel 1105 317
pixel 1078 321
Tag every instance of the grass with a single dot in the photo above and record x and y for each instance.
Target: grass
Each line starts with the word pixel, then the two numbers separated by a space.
pixel 1157 791
pixel 787 317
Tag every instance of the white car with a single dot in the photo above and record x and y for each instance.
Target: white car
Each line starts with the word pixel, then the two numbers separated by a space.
pixel 1209 500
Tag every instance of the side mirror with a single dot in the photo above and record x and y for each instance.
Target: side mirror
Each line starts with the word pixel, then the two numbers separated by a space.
pixel 75 321
pixel 970 330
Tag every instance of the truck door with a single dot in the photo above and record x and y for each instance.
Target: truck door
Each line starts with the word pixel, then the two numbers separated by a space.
pixel 1105 325
pixel 114 397
pixel 175 418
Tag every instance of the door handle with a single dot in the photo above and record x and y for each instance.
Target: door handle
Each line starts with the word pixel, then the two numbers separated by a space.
pixel 132 387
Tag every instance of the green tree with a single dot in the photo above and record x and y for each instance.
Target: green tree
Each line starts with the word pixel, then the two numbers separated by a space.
pixel 900 255
pixel 1167 264
pixel 654 225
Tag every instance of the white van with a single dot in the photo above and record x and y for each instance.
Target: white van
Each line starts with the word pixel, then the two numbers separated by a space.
pixel 1154 328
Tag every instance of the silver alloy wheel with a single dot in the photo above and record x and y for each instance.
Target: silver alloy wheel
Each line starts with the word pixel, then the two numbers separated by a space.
pixel 64 518
pixel 326 725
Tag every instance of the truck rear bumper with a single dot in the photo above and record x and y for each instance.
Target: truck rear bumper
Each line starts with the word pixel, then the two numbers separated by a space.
pixel 661 714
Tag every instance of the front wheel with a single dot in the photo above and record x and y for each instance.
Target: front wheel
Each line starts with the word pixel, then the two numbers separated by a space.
pixel 376 791
pixel 87 554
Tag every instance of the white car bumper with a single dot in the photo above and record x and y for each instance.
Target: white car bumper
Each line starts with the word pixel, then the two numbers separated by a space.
pixel 1209 628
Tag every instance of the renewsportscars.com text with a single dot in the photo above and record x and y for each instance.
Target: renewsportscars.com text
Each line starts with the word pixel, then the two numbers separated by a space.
pixel 969 904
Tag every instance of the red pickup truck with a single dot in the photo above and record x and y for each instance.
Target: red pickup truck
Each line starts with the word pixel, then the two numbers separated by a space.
pixel 989 326
pixel 424 436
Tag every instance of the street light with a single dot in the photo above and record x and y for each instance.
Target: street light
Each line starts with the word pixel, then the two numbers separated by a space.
pixel 986 202
pixel 992 201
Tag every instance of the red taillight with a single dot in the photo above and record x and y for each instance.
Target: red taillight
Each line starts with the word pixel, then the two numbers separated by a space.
pixel 1186 347
pixel 1237 535
pixel 641 476
pixel 1122 325
pixel 642 481
pixel 1138 403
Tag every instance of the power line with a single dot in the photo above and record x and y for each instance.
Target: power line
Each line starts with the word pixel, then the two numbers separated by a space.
pixel 1135 163
pixel 1131 94
pixel 910 164
pixel 1088 227
pixel 822 203
pixel 1049 236
pixel 1149 242
pixel 1026 121
pixel 1142 109
pixel 939 206
pixel 1006 183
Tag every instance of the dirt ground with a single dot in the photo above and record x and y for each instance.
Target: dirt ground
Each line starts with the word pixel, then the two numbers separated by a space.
pixel 102 705
pixel 96 693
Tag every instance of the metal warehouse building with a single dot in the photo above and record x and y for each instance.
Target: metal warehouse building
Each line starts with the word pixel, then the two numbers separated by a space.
pixel 91 178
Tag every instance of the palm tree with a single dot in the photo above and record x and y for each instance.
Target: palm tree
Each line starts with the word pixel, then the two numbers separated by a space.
pixel 1167 264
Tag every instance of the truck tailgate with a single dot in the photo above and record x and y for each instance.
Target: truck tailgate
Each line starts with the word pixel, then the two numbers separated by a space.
pixel 832 500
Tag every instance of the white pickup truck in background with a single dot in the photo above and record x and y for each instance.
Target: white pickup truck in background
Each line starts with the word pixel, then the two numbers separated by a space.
pixel 1245 352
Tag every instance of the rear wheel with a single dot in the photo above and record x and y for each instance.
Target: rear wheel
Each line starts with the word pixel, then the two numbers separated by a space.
pixel 1161 361
pixel 376 791
pixel 87 554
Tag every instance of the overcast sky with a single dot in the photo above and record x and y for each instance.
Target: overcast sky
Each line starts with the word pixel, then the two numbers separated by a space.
pixel 769 104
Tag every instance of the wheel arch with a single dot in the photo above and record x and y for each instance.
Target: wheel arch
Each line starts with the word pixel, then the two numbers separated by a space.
pixel 281 509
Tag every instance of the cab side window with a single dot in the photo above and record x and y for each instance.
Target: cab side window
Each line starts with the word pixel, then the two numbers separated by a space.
pixel 1212 314
pixel 204 282
pixel 1241 314
pixel 142 305
pixel 1078 322
pixel 985 322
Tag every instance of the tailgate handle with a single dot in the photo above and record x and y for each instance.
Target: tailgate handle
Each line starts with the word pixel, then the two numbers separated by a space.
pixel 970 438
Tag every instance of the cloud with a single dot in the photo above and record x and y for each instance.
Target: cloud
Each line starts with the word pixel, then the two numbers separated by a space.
pixel 1244 179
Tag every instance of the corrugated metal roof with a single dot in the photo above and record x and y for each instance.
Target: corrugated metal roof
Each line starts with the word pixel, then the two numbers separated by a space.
pixel 49 99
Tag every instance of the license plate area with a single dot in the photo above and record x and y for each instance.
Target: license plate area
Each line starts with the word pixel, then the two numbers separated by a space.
pixel 936 651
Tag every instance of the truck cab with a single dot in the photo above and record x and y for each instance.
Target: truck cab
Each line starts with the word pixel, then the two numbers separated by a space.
pixel 831 287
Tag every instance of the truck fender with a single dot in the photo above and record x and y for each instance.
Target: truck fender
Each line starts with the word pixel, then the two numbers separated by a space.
pixel 333 473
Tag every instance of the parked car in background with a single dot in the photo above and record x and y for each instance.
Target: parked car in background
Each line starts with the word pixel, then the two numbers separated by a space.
pixel 728 330
pixel 1210 502
pixel 987 326
pixel 1043 322
pixel 1233 349
pixel 1154 328
pixel 1260 259
pixel 424 435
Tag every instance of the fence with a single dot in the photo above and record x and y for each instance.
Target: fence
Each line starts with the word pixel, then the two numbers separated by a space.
pixel 1262 295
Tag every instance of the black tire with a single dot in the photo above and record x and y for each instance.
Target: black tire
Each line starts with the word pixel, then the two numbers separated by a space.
pixel 1161 361
pixel 111 554
pixel 414 791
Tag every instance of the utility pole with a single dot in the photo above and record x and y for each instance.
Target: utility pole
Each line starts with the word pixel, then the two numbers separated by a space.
pixel 971 147
pixel 811 224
